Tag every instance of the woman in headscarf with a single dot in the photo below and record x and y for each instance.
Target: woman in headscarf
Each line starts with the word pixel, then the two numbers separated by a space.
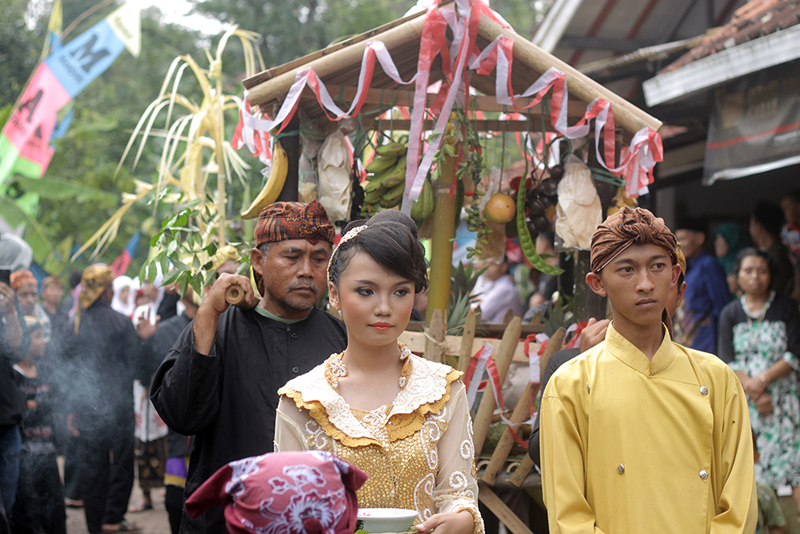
pixel 729 239
pixel 124 295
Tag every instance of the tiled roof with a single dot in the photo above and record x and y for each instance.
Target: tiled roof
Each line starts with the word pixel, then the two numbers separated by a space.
pixel 751 21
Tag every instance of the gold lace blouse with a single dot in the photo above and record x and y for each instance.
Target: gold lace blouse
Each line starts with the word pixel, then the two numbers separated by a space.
pixel 418 451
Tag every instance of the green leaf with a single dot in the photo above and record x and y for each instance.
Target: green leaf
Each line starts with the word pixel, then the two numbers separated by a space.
pixel 172 276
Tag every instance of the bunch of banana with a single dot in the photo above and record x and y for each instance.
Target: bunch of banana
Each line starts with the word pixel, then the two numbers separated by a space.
pixel 274 185
pixel 387 179
pixel 422 208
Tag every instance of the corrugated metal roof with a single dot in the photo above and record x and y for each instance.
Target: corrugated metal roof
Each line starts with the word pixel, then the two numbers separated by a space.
pixel 605 29
pixel 755 19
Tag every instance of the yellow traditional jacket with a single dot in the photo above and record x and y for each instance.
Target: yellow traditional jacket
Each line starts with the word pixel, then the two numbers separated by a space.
pixel 634 446
pixel 418 452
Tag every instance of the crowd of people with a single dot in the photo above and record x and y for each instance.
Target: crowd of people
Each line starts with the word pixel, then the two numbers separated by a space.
pixel 689 391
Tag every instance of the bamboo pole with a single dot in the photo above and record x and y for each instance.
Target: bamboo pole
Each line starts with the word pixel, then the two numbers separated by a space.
pixel 444 230
pixel 554 345
pixel 436 332
pixel 501 510
pixel 521 472
pixel 500 453
pixel 467 339
pixel 338 61
pixel 581 86
pixel 483 417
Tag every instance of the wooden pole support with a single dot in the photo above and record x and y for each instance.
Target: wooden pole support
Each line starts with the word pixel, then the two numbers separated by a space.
pixel 553 346
pixel 436 331
pixel 521 413
pixel 503 512
pixel 444 230
pixel 467 338
pixel 522 471
pixel 483 418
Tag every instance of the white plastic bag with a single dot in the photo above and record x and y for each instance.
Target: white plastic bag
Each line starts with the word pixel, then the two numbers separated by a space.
pixel 334 176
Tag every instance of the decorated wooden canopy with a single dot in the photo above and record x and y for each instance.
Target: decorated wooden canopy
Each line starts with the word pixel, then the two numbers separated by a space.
pixel 460 44
pixel 453 55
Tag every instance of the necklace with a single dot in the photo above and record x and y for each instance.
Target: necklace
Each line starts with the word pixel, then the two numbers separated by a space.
pixel 336 369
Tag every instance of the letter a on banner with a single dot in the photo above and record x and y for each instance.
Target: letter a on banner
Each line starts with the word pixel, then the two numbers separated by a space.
pixel 28 129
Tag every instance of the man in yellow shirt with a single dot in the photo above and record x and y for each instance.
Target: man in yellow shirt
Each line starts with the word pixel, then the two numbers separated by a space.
pixel 640 434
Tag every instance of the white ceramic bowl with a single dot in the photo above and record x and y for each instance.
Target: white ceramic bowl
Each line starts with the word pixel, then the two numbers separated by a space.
pixel 375 520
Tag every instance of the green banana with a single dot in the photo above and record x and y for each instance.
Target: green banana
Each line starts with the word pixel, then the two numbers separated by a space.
pixel 393 196
pixel 374 197
pixel 381 176
pixel 392 149
pixel 423 206
pixel 398 173
pixel 380 163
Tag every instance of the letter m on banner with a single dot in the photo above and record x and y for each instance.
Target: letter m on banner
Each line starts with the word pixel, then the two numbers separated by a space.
pixel 85 57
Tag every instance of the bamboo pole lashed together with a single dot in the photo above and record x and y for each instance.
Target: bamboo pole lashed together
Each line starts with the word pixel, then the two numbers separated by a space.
pixel 502 359
pixel 521 413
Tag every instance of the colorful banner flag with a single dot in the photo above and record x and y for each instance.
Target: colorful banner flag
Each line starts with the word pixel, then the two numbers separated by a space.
pixel 24 141
pixel 122 262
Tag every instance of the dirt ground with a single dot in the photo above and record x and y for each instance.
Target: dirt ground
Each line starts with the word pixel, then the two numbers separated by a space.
pixel 152 521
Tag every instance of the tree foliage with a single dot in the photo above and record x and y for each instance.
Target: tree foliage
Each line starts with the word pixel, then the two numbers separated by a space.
pixel 293 28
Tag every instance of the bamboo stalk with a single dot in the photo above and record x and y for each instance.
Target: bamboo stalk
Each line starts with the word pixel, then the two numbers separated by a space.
pixel 444 230
pixel 483 418
pixel 500 453
pixel 501 510
pixel 435 339
pixel 554 345
pixel 581 86
pixel 521 473
pixel 467 339
pixel 390 97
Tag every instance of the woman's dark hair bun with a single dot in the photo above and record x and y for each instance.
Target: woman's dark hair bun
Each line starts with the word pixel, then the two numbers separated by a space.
pixel 395 216
pixel 353 224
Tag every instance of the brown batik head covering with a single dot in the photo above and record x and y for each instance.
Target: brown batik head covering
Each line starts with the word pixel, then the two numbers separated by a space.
pixel 294 220
pixel 51 281
pixel 22 277
pixel 627 227
pixel 96 278
pixel 282 221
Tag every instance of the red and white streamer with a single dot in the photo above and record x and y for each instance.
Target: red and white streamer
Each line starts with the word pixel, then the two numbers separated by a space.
pixel 461 55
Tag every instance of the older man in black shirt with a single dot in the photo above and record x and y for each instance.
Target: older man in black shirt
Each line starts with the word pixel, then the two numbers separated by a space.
pixel 220 380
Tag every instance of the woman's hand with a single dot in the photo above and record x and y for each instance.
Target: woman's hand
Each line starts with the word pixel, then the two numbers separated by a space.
pixel 755 387
pixel 460 523
pixel 764 404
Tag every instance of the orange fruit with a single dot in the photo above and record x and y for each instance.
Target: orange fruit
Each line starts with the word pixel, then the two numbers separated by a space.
pixel 500 209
